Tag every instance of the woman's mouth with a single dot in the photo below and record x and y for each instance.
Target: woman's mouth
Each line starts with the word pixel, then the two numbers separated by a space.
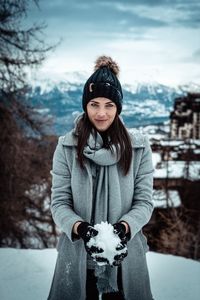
pixel 100 120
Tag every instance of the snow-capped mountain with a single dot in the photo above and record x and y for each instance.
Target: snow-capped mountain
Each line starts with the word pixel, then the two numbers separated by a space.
pixel 143 104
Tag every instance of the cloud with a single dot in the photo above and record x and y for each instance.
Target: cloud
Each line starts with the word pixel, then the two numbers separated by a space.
pixel 99 14
pixel 154 13
pixel 196 56
pixel 193 58
pixel 109 18
pixel 190 20
pixel 95 19
pixel 151 33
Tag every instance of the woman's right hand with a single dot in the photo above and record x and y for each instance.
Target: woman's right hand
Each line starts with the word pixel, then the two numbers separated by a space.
pixel 86 231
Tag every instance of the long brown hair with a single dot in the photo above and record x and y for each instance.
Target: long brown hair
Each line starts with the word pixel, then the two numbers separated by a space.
pixel 116 135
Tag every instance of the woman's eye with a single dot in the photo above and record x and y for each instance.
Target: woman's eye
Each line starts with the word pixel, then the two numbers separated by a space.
pixel 110 105
pixel 93 104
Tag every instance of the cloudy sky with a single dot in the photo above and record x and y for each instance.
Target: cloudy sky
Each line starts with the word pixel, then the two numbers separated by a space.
pixel 152 40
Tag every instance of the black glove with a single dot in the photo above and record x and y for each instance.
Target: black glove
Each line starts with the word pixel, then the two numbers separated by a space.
pixel 120 230
pixel 86 231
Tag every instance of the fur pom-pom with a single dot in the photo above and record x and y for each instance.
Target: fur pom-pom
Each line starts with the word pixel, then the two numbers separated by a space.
pixel 107 61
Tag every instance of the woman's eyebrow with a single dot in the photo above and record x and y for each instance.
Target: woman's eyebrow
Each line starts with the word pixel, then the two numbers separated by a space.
pixel 98 102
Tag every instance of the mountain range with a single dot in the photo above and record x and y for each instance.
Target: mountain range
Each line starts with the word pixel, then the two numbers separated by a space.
pixel 143 103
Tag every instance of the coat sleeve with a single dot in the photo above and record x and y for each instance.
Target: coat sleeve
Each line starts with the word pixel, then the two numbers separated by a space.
pixel 142 205
pixel 61 195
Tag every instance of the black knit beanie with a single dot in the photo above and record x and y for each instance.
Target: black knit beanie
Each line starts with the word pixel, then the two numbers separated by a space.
pixel 104 83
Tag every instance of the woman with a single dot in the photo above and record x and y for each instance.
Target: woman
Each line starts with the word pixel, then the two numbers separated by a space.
pixel 101 172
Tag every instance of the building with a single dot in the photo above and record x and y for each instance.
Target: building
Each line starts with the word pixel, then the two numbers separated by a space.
pixel 185 119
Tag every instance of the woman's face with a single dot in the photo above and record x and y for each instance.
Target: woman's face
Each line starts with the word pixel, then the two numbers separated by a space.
pixel 101 112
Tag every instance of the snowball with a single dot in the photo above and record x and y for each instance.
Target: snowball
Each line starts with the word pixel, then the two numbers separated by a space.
pixel 108 241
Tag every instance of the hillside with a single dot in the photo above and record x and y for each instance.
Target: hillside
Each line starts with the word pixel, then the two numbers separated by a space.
pixel 144 103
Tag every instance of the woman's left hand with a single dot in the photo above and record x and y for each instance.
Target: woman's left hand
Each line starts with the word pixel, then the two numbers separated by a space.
pixel 120 230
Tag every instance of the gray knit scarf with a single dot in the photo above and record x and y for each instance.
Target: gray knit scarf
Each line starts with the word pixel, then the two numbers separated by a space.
pixel 104 204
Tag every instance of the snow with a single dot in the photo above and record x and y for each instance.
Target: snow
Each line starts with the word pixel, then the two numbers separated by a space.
pixel 131 108
pixel 156 158
pixel 173 278
pixel 178 169
pixel 179 143
pixel 27 274
pixel 106 240
pixel 171 143
pixel 63 81
pixel 160 198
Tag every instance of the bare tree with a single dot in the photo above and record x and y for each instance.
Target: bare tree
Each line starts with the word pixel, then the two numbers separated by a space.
pixel 24 162
pixel 19 47
pixel 176 232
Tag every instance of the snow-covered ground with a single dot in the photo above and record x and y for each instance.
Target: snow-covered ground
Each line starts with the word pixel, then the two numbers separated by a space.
pixel 27 274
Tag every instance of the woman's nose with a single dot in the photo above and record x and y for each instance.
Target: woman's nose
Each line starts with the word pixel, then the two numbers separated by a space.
pixel 101 112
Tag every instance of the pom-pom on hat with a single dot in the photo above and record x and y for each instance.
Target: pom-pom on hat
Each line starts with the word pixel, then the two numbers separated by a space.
pixel 104 83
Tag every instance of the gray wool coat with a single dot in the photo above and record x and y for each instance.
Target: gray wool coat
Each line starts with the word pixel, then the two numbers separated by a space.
pixel 71 202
